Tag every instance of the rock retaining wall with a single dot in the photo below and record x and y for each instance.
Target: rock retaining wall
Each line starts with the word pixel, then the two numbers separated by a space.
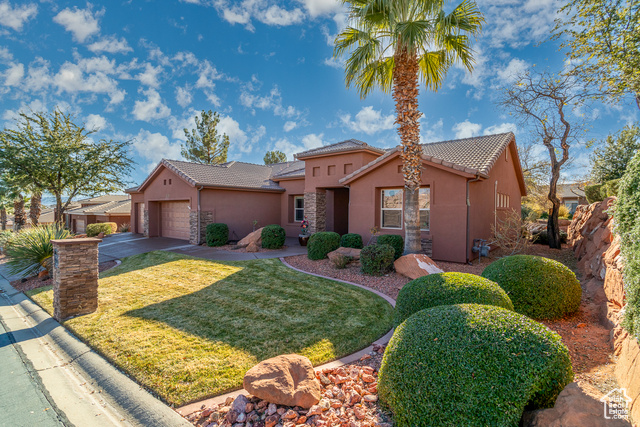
pixel 597 248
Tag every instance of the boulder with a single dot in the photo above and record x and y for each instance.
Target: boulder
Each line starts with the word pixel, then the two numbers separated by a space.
pixel 252 247
pixel 284 380
pixel 253 237
pixel 416 265
pixel 350 252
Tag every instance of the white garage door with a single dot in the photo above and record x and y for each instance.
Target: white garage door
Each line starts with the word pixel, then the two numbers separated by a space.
pixel 80 227
pixel 174 220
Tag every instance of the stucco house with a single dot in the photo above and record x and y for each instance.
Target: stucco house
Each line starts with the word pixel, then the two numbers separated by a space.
pixel 571 195
pixel 107 208
pixel 345 187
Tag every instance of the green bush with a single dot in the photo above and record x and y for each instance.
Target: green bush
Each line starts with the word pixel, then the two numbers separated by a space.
pixel 627 210
pixel 217 234
pixel 351 240
pixel 31 249
pixel 610 188
pixel 544 215
pixel 540 288
pixel 321 243
pixel 6 237
pixel 101 227
pixel 594 193
pixel 377 259
pixel 273 236
pixel 448 289
pixel 471 365
pixel 393 240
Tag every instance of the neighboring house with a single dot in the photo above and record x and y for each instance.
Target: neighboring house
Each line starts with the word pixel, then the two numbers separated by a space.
pixel 108 208
pixel 571 196
pixel 345 187
pixel 47 216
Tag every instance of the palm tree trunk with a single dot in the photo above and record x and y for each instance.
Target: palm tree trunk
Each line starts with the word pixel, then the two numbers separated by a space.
pixel 405 93
pixel 19 216
pixel 35 208
pixel 3 218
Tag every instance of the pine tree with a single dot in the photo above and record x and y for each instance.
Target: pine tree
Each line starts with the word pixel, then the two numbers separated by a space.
pixel 204 144
pixel 275 156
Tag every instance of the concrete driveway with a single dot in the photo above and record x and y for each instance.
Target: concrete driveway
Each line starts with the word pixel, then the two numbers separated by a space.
pixel 122 245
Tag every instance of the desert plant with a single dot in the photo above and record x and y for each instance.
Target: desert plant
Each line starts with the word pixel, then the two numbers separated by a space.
pixel 101 227
pixel 6 236
pixel 509 234
pixel 217 234
pixel 321 243
pixel 31 249
pixel 448 289
pixel 124 227
pixel 273 236
pixel 377 259
pixel 471 364
pixel 341 261
pixel 563 211
pixel 395 241
pixel 351 240
pixel 540 288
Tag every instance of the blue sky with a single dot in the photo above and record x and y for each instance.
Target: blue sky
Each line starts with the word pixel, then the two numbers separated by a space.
pixel 141 70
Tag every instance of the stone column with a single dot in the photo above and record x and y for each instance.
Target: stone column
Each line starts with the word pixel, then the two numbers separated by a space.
pixel 75 277
pixel 206 218
pixel 145 224
pixel 315 209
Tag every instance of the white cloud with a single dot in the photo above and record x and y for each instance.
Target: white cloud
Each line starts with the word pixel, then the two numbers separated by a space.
pixel 271 102
pixel 38 76
pixel 321 7
pixel 334 63
pixel 368 121
pixel 237 137
pixel 312 141
pixel 110 45
pixel 14 74
pixel 289 126
pixel 264 11
pixel 151 108
pixel 95 122
pixel 5 55
pixel 15 17
pixel 155 147
pixel 257 135
pixel 70 78
pixel 501 128
pixel 510 73
pixel 308 142
pixel 431 133
pixel 206 75
pixel 79 22
pixel 467 129
pixel 183 96
pixel 149 76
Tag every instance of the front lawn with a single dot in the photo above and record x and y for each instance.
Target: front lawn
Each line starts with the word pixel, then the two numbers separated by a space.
pixel 189 328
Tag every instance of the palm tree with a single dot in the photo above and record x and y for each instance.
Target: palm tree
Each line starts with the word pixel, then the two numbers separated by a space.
pixel 35 206
pixel 5 202
pixel 19 215
pixel 391 45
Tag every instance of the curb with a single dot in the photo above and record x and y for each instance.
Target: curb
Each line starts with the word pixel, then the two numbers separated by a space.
pixel 350 358
pixel 129 402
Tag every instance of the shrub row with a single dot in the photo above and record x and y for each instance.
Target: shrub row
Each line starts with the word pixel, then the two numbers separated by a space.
pixel 599 192
pixel 102 227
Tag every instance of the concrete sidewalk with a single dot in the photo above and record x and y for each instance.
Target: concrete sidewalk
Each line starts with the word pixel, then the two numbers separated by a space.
pixel 50 378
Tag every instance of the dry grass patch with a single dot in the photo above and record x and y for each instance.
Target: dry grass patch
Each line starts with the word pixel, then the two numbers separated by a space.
pixel 189 328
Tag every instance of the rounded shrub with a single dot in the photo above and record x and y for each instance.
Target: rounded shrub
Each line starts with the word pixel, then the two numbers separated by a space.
pixel 273 236
pixel 393 240
pixel 106 228
pixel 321 243
pixel 539 287
pixel 448 289
pixel 377 259
pixel 351 240
pixel 217 234
pixel 471 364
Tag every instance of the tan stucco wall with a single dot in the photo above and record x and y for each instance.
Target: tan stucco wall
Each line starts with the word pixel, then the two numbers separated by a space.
pixel 135 199
pixel 338 162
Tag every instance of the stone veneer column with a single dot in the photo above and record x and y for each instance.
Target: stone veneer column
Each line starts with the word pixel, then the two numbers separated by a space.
pixel 75 277
pixel 206 218
pixel 145 223
pixel 315 209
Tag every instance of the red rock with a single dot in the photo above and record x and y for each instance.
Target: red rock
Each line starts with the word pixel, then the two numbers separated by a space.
pixel 368 378
pixel 232 416
pixel 581 325
pixel 271 420
pixel 302 419
pixel 370 398
pixel 366 357
pixel 252 247
pixel 416 265
pixel 290 415
pixel 350 252
pixel 253 237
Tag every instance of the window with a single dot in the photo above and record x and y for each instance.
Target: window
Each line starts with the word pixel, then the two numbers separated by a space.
pixel 391 215
pixel 348 168
pixel 391 211
pixel 298 208
pixel 331 170
pixel 503 201
pixel 316 171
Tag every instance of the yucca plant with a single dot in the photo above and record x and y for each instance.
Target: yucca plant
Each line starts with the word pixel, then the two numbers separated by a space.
pixel 31 249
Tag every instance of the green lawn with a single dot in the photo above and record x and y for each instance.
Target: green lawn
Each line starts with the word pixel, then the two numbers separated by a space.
pixel 189 328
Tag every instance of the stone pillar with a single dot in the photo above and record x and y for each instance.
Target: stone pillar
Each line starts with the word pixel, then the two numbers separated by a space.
pixel 206 218
pixel 145 226
pixel 315 209
pixel 75 277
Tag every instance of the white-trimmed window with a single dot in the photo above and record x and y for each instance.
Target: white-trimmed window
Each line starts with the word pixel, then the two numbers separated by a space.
pixel 391 208
pixel 298 208
pixel 391 213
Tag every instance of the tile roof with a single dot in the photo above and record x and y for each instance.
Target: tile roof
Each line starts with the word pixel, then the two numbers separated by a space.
pixel 348 145
pixel 475 155
pixel 288 170
pixel 570 190
pixel 120 207
pixel 231 174
pixel 104 199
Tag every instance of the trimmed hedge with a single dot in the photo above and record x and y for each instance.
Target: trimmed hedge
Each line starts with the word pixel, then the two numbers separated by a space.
pixel 321 243
pixel 351 240
pixel 593 193
pixel 539 287
pixel 107 228
pixel 273 236
pixel 217 234
pixel 377 259
pixel 628 227
pixel 471 364
pixel 610 188
pixel 393 240
pixel 448 289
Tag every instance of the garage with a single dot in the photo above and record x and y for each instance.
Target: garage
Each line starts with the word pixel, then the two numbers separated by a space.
pixel 80 226
pixel 174 220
